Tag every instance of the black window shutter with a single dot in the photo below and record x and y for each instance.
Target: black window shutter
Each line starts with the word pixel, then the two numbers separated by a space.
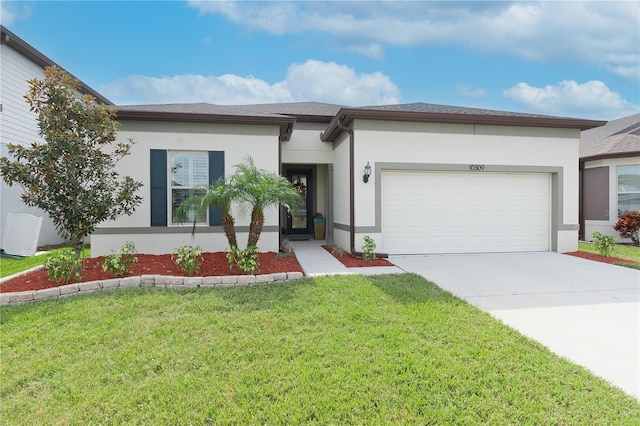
pixel 216 171
pixel 159 184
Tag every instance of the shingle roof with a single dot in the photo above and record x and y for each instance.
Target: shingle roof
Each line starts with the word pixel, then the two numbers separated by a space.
pixel 617 138
pixel 449 109
pixel 197 108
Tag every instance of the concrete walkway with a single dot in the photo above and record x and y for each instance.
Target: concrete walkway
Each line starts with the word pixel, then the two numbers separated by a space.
pixel 316 261
pixel 585 311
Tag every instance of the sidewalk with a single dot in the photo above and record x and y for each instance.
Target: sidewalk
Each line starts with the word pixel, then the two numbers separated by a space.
pixel 316 261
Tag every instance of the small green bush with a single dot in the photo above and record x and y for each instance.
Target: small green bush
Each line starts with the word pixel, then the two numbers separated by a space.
pixel 368 248
pixel 188 258
pixel 246 260
pixel 628 225
pixel 62 265
pixel 604 243
pixel 121 263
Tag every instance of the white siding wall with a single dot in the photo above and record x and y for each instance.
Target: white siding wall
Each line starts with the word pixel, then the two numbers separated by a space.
pixel 18 125
pixel 377 141
pixel 605 227
pixel 237 141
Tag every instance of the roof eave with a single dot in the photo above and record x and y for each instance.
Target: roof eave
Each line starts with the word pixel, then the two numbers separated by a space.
pixel 284 122
pixel 610 155
pixel 346 115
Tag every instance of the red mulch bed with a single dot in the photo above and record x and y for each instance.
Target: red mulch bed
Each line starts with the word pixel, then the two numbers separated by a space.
pixel 598 258
pixel 214 264
pixel 351 261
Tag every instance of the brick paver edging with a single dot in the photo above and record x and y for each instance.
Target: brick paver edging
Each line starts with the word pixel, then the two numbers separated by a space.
pixel 161 281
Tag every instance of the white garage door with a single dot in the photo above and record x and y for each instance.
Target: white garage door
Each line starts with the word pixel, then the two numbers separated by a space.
pixel 451 212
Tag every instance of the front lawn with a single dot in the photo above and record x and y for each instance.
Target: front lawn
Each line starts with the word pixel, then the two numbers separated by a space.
pixel 389 349
pixel 622 251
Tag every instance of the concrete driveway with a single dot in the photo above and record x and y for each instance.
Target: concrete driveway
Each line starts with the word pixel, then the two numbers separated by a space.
pixel 585 311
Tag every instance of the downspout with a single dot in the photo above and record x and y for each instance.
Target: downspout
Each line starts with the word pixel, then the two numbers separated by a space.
pixel 581 232
pixel 352 190
pixel 352 194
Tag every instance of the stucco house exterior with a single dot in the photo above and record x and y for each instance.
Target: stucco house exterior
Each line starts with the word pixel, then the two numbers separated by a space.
pixel 442 179
pixel 21 63
pixel 609 175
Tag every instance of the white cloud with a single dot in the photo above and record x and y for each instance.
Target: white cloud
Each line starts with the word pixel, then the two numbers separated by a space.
pixel 592 99
pixel 602 33
pixel 311 81
pixel 12 11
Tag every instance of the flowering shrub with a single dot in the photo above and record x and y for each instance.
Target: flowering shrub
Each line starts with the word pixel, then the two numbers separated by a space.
pixel 628 225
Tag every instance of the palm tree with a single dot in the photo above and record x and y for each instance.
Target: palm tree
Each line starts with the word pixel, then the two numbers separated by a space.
pixel 258 190
pixel 252 189
pixel 200 199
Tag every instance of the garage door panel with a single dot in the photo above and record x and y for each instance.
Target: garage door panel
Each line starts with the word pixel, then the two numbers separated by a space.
pixel 441 212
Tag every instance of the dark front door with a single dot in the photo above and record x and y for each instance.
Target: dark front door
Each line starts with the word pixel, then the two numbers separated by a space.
pixel 300 220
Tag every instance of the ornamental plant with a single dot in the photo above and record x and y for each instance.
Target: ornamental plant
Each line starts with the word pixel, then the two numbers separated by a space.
pixel 246 260
pixel 62 265
pixel 368 248
pixel 72 176
pixel 604 243
pixel 121 263
pixel 628 225
pixel 188 259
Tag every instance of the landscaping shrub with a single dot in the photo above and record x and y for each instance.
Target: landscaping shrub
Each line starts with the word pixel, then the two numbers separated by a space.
pixel 121 263
pixel 62 265
pixel 628 225
pixel 604 243
pixel 368 248
pixel 188 259
pixel 246 260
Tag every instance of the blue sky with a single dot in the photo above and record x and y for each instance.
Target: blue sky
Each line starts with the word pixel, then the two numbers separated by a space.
pixel 565 58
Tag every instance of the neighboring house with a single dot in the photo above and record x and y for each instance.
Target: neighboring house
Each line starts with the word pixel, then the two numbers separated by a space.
pixel 20 63
pixel 609 175
pixel 443 179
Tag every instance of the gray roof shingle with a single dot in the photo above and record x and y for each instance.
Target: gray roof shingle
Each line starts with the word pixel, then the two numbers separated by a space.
pixel 617 137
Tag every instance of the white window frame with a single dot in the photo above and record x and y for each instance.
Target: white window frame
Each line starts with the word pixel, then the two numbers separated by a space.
pixel 618 192
pixel 171 187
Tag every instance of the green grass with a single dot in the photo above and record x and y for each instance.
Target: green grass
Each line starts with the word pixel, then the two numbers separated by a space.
pixel 329 350
pixel 10 266
pixel 620 250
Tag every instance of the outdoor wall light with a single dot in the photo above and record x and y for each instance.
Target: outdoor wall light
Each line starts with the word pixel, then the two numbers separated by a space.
pixel 367 173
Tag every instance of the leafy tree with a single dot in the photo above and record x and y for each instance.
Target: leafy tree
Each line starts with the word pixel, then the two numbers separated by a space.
pixel 72 176
pixel 251 189
pixel 218 194
pixel 258 190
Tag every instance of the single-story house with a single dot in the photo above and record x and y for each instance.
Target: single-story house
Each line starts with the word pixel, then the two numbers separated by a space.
pixel 609 175
pixel 417 178
pixel 18 125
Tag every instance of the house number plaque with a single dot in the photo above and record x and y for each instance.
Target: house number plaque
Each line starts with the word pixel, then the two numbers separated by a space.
pixel 476 167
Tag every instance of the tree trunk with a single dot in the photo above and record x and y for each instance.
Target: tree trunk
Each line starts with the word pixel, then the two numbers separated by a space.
pixel 255 227
pixel 228 223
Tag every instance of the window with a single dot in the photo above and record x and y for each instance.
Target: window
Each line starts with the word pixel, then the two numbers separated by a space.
pixel 188 170
pixel 172 174
pixel 628 188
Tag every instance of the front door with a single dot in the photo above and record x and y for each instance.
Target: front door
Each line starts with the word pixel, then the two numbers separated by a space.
pixel 300 220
